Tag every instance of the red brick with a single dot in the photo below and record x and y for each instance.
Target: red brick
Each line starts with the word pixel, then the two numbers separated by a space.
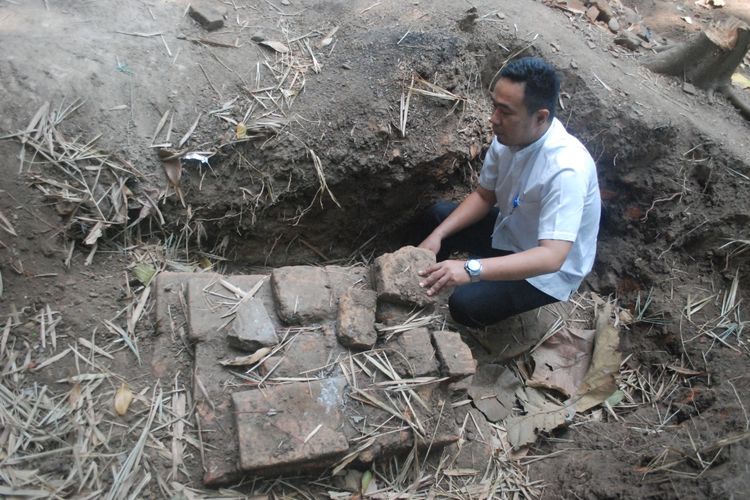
pixel 275 425
pixel 205 310
pixel 395 276
pixel 455 356
pixel 411 353
pixel 356 319
pixel 302 294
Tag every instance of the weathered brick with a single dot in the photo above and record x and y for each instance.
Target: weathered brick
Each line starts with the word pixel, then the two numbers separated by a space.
pixel 436 420
pixel 395 276
pixel 169 295
pixel 302 294
pixel 356 319
pixel 213 409
pixel 290 425
pixel 390 314
pixel 411 354
pixel 341 279
pixel 252 327
pixel 207 15
pixel 208 305
pixel 455 356
pixel 308 353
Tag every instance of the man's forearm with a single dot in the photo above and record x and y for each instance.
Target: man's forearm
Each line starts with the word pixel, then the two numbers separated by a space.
pixel 470 211
pixel 548 257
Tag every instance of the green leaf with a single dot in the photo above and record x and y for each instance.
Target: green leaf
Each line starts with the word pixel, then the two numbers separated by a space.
pixel 615 398
pixel 144 272
pixel 366 478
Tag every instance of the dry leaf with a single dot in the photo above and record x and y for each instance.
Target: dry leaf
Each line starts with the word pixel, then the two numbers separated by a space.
pixel 741 81
pixel 74 396
pixel 246 360
pixel 95 233
pixel 123 398
pixel 560 363
pixel 173 169
pixel 541 415
pixel 601 378
pixel 241 132
pixel 474 150
pixel 277 46
pixel 493 391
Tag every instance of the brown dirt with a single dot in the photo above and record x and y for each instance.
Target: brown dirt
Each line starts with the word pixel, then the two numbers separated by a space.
pixel 674 170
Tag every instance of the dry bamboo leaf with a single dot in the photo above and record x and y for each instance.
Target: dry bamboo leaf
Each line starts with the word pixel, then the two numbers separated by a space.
pixel 6 225
pixel 95 233
pixel 246 360
pixel 190 131
pixel 74 396
pixel 123 398
pixel 328 39
pixel 277 46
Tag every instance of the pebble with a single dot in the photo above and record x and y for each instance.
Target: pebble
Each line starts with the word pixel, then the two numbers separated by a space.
pixel 614 25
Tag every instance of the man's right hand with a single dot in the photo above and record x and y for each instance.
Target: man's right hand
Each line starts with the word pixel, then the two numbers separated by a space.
pixel 431 243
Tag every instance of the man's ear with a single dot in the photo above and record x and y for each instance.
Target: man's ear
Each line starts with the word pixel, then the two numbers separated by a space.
pixel 541 116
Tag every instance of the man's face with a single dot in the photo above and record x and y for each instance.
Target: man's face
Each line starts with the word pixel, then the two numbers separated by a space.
pixel 511 121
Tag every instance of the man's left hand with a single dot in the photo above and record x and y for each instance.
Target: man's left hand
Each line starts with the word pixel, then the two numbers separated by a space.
pixel 448 273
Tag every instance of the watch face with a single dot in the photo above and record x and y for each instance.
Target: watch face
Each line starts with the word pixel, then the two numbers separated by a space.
pixel 474 265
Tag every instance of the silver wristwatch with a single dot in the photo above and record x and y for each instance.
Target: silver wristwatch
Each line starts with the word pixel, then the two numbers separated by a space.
pixel 473 268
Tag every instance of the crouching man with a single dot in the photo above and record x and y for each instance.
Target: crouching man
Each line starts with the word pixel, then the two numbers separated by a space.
pixel 531 225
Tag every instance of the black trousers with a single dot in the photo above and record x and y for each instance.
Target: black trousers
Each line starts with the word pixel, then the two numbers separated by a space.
pixel 486 302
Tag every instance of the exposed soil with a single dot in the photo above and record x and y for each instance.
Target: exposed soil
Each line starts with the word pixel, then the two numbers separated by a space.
pixel 674 169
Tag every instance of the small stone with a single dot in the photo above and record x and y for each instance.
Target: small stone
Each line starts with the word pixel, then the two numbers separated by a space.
pixel 252 327
pixel 258 37
pixel 689 88
pixel 591 44
pixel 613 25
pixel 356 319
pixel 286 3
pixel 346 66
pixel 573 64
pixel 207 15
pixel 455 356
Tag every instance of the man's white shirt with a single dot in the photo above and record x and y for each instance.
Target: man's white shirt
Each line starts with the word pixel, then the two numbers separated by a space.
pixel 546 191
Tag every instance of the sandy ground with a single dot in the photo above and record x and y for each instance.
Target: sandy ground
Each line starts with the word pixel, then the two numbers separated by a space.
pixel 674 170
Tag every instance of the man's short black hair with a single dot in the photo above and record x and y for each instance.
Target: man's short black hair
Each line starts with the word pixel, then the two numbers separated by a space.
pixel 542 83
